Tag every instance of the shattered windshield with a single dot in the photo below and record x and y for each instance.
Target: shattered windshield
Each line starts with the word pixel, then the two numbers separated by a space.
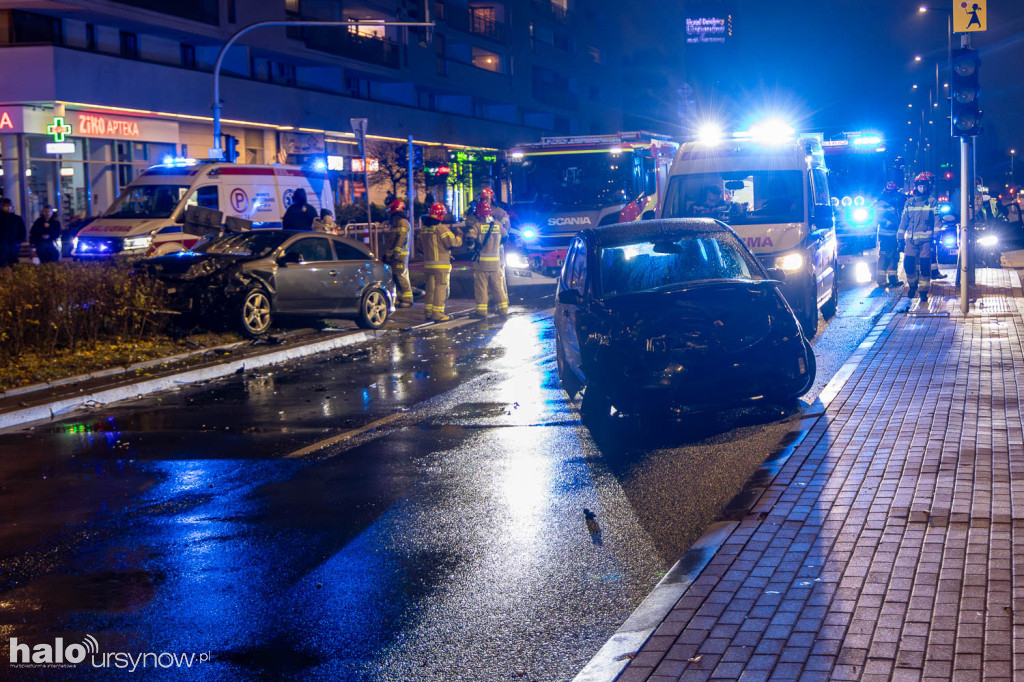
pixel 257 244
pixel 649 265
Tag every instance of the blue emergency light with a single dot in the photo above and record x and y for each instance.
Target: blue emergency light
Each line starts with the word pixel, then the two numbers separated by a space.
pixel 528 233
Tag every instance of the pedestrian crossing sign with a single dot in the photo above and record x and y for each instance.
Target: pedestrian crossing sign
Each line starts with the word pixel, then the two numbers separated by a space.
pixel 969 16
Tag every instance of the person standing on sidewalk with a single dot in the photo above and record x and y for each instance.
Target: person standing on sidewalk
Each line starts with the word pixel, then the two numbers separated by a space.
pixel 398 250
pixel 918 225
pixel 300 214
pixel 890 207
pixel 44 235
pixel 486 233
pixel 436 243
pixel 12 233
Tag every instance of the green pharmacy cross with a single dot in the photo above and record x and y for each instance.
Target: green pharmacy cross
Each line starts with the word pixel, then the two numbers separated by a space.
pixel 58 129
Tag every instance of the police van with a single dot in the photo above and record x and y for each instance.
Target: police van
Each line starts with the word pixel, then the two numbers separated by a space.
pixel 146 218
pixel 770 185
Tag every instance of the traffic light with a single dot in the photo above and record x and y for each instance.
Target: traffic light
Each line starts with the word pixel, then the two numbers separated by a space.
pixel 966 116
pixel 230 148
pixel 417 156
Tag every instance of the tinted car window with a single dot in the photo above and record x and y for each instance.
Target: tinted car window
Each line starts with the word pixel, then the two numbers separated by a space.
pixel 346 252
pixel 647 265
pixel 206 197
pixel 311 249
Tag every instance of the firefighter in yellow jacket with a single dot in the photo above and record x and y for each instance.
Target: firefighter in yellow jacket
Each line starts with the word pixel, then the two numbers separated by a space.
pixel 486 229
pixel 436 242
pixel 398 250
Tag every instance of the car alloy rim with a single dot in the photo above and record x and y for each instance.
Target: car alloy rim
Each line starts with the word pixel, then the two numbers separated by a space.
pixel 257 311
pixel 376 308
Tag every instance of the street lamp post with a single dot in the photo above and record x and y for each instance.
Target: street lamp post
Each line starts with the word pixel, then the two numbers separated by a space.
pixel 1013 182
pixel 217 151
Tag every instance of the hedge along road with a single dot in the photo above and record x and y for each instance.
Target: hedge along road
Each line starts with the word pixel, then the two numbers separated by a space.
pixel 446 543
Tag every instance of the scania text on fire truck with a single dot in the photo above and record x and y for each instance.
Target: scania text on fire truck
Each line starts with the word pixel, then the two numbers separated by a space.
pixel 770 185
pixel 561 185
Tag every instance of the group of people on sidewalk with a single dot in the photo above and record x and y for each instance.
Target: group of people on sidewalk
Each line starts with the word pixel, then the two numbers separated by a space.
pixel 44 235
pixel 486 230
pixel 908 225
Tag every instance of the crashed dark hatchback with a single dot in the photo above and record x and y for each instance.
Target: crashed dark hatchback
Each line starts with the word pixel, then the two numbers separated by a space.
pixel 250 278
pixel 671 316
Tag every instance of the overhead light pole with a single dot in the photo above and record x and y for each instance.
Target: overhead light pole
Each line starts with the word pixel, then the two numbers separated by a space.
pixel 217 150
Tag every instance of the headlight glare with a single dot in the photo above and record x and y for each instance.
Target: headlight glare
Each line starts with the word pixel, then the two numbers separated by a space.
pixel 791 262
pixel 988 240
pixel 516 260
pixel 132 243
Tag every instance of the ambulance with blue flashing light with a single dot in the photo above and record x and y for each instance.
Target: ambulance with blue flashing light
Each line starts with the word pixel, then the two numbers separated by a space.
pixel 145 220
pixel 770 184
pixel 562 185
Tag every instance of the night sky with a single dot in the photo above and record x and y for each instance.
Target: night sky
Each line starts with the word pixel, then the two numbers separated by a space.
pixel 844 65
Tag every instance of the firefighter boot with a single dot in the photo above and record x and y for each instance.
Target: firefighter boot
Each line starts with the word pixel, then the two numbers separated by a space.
pixel 924 297
pixel 913 290
pixel 894 281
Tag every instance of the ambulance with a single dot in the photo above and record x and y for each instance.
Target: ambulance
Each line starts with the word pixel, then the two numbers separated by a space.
pixel 146 219
pixel 770 185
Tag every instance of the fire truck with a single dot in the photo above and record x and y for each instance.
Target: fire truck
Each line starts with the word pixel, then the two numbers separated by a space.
pixel 561 185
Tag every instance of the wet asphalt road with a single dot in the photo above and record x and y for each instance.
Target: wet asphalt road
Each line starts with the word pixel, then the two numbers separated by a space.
pixel 447 544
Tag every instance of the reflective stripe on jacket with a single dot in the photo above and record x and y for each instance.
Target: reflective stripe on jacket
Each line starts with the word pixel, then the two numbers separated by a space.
pixel 489 236
pixel 436 242
pixel 920 220
pixel 399 238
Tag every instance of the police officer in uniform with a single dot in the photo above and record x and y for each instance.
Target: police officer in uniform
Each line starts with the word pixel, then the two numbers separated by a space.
pixel 436 242
pixel 890 208
pixel 398 250
pixel 918 225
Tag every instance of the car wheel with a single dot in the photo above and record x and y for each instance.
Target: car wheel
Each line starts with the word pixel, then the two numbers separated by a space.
pixel 373 311
pixel 596 407
pixel 828 311
pixel 255 312
pixel 809 315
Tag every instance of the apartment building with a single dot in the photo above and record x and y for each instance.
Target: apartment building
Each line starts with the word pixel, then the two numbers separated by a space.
pixel 94 91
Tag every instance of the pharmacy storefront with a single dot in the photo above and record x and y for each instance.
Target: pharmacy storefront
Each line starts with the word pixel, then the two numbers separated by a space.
pixel 79 161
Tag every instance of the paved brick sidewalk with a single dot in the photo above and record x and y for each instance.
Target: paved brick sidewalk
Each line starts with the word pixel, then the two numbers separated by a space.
pixel 891 543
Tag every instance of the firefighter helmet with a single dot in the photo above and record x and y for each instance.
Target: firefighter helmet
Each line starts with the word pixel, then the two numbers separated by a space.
pixel 487 194
pixel 396 206
pixel 922 179
pixel 891 187
pixel 483 210
pixel 437 211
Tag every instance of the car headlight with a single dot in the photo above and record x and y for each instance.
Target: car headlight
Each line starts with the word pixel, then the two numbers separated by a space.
pixel 860 215
pixel 74 243
pixel 988 240
pixel 949 241
pixel 516 260
pixel 132 243
pixel 791 262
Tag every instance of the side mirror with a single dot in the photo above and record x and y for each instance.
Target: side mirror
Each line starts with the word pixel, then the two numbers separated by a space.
pixel 651 182
pixel 778 274
pixel 824 216
pixel 570 297
pixel 289 259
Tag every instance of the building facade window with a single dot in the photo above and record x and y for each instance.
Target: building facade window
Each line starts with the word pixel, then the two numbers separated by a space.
pixel 188 56
pixel 291 7
pixel 26 28
pixel 487 60
pixel 232 12
pixel 90 37
pixel 129 45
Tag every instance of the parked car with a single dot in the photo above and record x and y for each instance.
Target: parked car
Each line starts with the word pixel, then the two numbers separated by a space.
pixel 671 316
pixel 251 278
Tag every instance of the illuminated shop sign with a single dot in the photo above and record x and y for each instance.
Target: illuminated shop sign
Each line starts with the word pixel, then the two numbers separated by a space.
pixel 94 125
pixel 60 147
pixel 708 29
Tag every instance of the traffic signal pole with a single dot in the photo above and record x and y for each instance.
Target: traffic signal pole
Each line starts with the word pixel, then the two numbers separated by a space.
pixel 966 205
pixel 412 201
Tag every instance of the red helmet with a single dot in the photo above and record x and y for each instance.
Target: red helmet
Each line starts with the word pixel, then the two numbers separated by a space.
pixel 891 187
pixel 487 194
pixel 396 206
pixel 483 210
pixel 437 211
pixel 923 178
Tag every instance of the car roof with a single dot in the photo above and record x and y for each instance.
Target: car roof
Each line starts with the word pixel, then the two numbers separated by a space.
pixel 618 234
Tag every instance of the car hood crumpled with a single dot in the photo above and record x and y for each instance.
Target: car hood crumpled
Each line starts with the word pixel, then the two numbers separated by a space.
pixel 723 316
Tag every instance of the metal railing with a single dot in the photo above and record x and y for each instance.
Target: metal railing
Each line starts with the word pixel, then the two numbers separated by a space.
pixel 465 20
